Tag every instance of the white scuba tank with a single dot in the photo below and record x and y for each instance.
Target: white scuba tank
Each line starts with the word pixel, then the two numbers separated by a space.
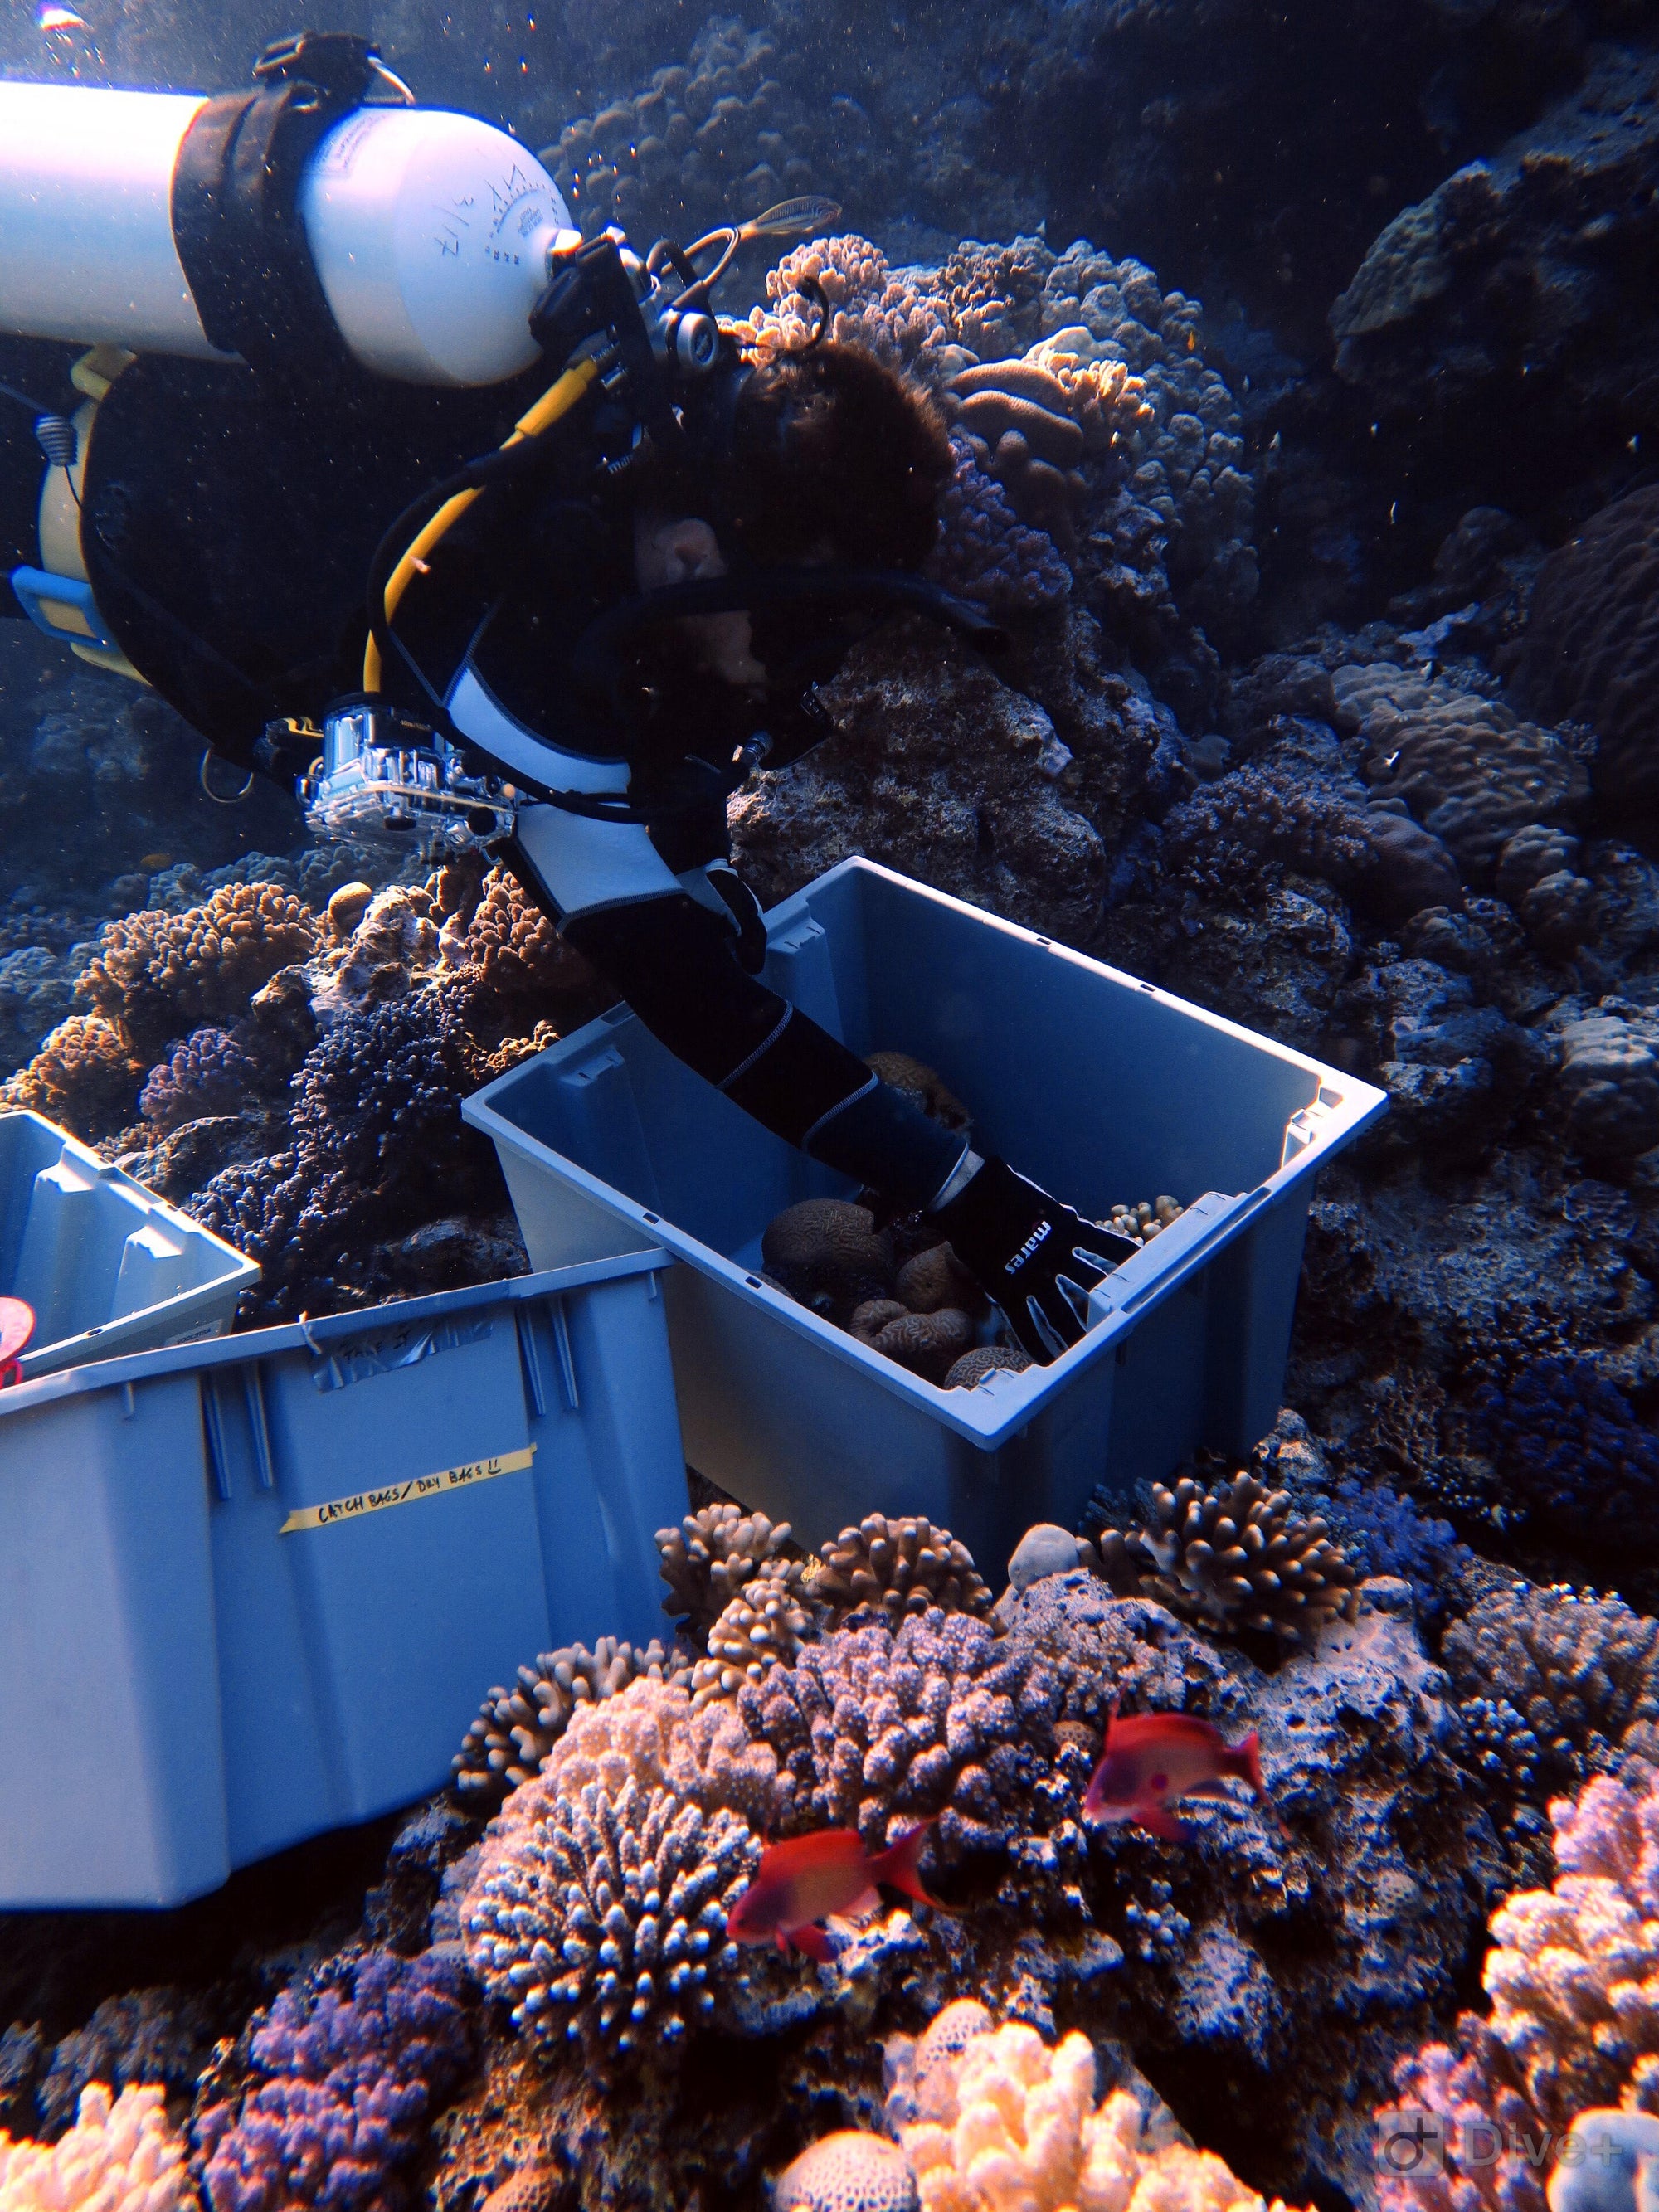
pixel 430 232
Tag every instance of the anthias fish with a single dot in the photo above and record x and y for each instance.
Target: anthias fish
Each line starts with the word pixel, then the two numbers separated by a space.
pixel 1152 1759
pixel 799 1884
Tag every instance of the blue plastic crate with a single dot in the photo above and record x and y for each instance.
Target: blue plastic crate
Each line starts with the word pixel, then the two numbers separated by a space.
pixel 107 1266
pixel 1100 1087
pixel 254 1589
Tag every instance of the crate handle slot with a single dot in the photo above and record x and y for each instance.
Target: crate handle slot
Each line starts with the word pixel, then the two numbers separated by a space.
pixel 253 1390
pixel 530 1358
pixel 212 1431
pixel 555 1315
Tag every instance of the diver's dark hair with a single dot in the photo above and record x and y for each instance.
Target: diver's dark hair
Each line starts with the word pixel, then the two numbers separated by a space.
pixel 835 456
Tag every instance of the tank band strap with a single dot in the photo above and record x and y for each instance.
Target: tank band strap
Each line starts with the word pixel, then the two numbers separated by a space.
pixel 235 187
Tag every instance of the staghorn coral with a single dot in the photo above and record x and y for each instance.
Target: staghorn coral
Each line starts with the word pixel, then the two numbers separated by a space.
pixel 706 1560
pixel 847 2172
pixel 347 2070
pixel 516 1728
pixel 899 1568
pixel 764 1626
pixel 123 2154
pixel 598 1913
pixel 1013 2127
pixel 1591 646
pixel 86 1077
pixel 1237 1557
pixel 876 1728
pixel 160 976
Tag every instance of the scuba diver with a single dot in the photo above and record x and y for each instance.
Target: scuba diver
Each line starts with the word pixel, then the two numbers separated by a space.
pixel 591 608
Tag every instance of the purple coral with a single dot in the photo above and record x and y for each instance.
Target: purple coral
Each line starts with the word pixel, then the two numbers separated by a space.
pixel 347 2072
pixel 985 551
pixel 210 1072
pixel 1571 1445
pixel 878 1728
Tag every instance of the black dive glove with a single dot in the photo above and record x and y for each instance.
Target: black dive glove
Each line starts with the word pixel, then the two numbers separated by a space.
pixel 1037 1258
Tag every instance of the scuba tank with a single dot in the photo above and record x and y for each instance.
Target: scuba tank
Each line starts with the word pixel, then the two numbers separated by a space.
pixel 320 211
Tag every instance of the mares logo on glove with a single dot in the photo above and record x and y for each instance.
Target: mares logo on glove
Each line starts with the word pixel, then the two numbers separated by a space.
pixel 1044 1229
pixel 1003 1229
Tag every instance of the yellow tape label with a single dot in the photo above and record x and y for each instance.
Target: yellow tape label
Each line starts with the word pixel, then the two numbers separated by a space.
pixel 338 1510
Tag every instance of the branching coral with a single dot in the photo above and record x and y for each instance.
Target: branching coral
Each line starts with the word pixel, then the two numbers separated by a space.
pixel 1570 1445
pixel 598 1908
pixel 985 550
pixel 212 1071
pixel 706 1560
pixel 1012 2124
pixel 1581 1673
pixel 159 974
pixel 897 1567
pixel 85 1076
pixel 764 1626
pixel 516 1728
pixel 869 306
pixel 875 1728
pixel 121 2155
pixel 156 2036
pixel 511 962
pixel 348 2069
pixel 1237 1557
pixel 1572 1976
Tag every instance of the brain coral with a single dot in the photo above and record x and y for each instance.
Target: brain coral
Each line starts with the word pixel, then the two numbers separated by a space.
pixel 875 1725
pixel 348 2068
pixel 1017 2130
pixel 1591 648
pixel 121 2155
pixel 516 1728
pixel 1235 1557
pixel 161 974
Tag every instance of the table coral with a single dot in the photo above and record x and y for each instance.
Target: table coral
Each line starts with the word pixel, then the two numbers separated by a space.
pixel 877 1728
pixel 123 2154
pixel 347 2071
pixel 1235 1556
pixel 516 1728
pixel 1590 652
pixel 897 1567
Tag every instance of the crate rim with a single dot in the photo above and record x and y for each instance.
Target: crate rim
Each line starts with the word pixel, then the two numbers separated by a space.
pixel 235 1350
pixel 999 1407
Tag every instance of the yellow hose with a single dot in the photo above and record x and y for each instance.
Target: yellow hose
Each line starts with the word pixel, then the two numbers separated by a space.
pixel 558 400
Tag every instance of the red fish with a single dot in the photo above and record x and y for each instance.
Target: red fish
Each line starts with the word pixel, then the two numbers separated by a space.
pixel 16 1328
pixel 799 1884
pixel 1152 1759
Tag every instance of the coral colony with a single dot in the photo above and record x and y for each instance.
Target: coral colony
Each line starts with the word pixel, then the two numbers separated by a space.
pixel 1286 1834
